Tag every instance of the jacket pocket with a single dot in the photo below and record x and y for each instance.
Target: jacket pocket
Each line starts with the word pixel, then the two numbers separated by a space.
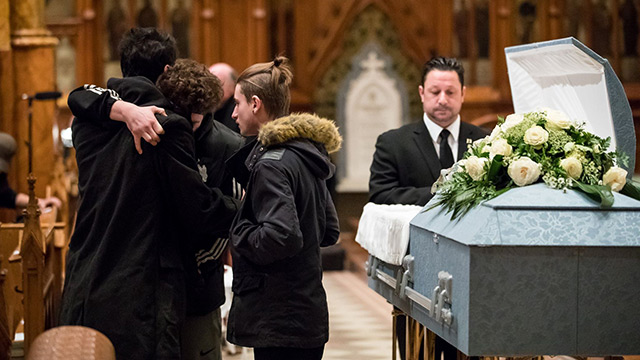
pixel 244 284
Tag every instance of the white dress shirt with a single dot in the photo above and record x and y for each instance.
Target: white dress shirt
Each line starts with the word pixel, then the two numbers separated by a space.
pixel 435 129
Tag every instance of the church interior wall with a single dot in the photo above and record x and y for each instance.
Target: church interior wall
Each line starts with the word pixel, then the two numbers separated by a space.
pixel 321 37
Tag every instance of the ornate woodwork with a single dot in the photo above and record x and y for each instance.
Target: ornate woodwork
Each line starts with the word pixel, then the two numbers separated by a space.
pixel 32 252
pixel 33 71
pixel 320 35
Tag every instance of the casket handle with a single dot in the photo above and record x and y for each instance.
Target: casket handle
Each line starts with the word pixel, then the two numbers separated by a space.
pixel 434 296
pixel 435 305
pixel 372 265
pixel 407 275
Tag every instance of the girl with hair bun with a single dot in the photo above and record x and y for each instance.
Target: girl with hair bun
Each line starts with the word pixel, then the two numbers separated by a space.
pixel 279 306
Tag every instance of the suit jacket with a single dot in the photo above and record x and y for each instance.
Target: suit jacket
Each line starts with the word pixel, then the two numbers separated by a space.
pixel 406 163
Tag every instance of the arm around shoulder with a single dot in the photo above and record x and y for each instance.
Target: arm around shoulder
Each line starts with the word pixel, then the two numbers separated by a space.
pixel 93 103
pixel 198 207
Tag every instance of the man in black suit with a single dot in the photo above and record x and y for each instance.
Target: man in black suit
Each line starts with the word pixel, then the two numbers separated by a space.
pixel 408 160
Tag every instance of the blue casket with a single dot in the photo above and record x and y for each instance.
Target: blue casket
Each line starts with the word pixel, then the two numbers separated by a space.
pixel 536 270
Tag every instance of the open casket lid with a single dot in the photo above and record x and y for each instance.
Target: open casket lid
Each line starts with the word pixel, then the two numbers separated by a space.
pixel 566 75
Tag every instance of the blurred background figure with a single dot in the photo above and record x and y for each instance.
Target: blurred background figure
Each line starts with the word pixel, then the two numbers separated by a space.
pixel 228 77
pixel 8 197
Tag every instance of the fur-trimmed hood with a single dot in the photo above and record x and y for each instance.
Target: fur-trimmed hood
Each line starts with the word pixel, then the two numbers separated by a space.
pixel 301 126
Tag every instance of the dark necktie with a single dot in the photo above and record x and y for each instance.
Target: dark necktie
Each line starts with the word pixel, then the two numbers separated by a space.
pixel 446 156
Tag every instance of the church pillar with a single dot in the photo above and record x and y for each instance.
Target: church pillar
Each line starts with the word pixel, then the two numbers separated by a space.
pixel 33 70
pixel 444 14
pixel 6 75
pixel 206 43
pixel 257 32
pixel 552 19
pixel 502 14
pixel 90 66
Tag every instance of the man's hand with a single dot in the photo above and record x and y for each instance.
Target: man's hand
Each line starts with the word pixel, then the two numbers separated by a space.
pixel 141 121
pixel 51 201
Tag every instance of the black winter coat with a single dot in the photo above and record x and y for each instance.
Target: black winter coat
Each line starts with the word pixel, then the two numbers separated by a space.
pixel 287 215
pixel 124 272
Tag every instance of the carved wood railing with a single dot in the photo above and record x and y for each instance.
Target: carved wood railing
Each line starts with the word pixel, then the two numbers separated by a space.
pixel 33 279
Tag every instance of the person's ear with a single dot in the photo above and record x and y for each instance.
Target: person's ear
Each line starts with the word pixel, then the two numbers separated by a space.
pixel 167 67
pixel 256 104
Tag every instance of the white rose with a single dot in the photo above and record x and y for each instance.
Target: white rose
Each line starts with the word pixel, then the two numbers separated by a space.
pixel 475 167
pixel 500 147
pixel 511 121
pixel 459 166
pixel 615 178
pixel 568 147
pixel 572 166
pixel 494 134
pixel 479 144
pixel 536 136
pixel 557 119
pixel 524 171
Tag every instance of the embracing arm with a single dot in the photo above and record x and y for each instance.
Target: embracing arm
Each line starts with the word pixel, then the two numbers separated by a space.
pixel 384 182
pixel 206 211
pixel 90 102
pixel 270 230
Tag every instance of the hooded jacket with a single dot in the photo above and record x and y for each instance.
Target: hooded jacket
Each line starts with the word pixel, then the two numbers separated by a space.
pixel 287 215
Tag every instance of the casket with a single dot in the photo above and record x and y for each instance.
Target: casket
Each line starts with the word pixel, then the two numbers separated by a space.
pixel 536 270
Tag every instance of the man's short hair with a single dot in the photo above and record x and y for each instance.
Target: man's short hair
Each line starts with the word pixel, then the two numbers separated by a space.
pixel 190 87
pixel 146 51
pixel 443 64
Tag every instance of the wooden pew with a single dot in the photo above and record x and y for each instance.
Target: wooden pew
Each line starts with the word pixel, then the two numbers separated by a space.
pixel 34 275
pixel 5 337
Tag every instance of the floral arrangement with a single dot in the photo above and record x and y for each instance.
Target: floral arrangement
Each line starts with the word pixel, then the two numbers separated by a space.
pixel 523 149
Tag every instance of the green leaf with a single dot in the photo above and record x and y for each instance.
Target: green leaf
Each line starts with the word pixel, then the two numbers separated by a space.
pixel 494 167
pixel 598 193
pixel 631 189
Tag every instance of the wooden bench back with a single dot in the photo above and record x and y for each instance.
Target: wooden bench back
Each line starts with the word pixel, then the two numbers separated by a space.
pixel 39 270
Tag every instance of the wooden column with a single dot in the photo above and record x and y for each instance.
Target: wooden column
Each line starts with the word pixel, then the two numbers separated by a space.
pixel 444 39
pixel 33 54
pixel 6 113
pixel 6 64
pixel 551 19
pixel 206 16
pixel 501 16
pixel 257 23
pixel 90 65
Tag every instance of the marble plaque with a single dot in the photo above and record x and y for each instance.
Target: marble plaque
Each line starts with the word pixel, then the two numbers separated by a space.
pixel 373 104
